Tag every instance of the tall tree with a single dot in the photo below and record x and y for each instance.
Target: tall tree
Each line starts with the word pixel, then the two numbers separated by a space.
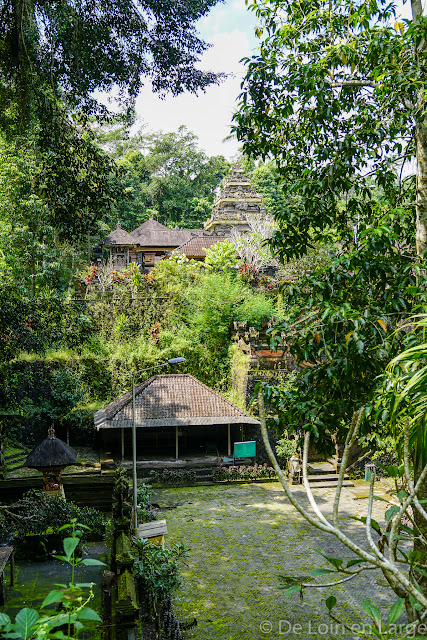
pixel 72 49
pixel 169 175
pixel 336 96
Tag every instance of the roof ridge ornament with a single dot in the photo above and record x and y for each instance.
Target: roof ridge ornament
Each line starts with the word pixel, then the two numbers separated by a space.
pixel 51 432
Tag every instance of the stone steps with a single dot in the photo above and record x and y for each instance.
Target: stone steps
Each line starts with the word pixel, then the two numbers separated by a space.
pixel 322 475
pixel 325 478
pixel 329 484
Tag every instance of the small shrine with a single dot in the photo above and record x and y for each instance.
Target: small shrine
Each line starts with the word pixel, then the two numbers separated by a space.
pixel 51 457
pixel 236 200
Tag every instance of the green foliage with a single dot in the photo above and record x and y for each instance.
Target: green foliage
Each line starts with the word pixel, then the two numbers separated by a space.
pixel 352 306
pixel 86 52
pixel 331 95
pixel 222 256
pixel 41 392
pixel 144 494
pixel 186 311
pixel 265 180
pixel 27 325
pixel 157 568
pixel 165 175
pixel 402 394
pixel 73 598
pixel 122 502
pixel 67 391
pixel 49 513
pixel 285 449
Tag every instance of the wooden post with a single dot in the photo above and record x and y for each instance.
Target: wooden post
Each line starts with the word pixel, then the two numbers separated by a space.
pixel 229 441
pixel 12 568
pixel 176 443
pixel 123 443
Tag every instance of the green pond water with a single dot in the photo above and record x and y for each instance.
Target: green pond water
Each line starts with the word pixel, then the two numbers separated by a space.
pixel 34 580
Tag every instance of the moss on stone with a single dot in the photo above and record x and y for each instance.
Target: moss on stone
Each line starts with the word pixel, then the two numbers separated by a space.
pixel 241 539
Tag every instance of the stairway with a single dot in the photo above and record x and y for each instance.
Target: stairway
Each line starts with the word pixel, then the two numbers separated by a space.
pixel 322 475
pixel 14 458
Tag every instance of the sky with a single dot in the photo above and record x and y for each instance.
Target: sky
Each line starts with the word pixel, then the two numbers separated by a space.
pixel 229 28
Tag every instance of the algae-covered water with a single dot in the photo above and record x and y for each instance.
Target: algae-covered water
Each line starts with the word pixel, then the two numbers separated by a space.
pixel 34 580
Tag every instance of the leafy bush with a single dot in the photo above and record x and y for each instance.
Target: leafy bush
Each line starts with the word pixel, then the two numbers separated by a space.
pixel 222 256
pixel 174 476
pixel 157 574
pixel 157 567
pixel 143 494
pixel 243 472
pixel 285 449
pixel 48 513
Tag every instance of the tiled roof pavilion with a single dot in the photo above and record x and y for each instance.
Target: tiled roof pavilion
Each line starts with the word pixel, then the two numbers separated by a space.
pixel 171 401
pixel 195 247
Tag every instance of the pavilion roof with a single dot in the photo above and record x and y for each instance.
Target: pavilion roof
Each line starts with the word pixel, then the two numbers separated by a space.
pixel 195 247
pixel 169 401
pixel 118 237
pixel 153 234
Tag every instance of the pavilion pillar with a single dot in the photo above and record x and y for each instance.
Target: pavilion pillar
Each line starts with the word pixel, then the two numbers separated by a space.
pixel 176 443
pixel 229 441
pixel 123 443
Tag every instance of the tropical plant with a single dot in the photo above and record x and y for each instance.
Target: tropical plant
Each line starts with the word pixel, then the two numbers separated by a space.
pixel 71 52
pixel 343 337
pixel 404 570
pixel 73 598
pixel 44 513
pixel 286 448
pixel 222 256
pixel 402 408
pixel 157 571
pixel 335 95
pixel 144 493
pixel 168 176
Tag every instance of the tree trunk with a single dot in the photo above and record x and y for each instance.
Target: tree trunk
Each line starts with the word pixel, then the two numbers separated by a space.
pixel 421 148
pixel 419 547
pixel 421 201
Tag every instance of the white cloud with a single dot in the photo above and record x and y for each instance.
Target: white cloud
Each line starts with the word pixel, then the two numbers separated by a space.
pixel 209 114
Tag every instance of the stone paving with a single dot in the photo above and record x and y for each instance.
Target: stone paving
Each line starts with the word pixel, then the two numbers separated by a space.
pixel 241 538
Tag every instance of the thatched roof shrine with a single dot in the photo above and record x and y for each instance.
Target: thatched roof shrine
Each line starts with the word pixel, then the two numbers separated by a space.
pixel 52 452
pixel 118 237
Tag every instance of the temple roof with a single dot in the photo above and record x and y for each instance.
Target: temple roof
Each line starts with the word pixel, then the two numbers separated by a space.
pixel 150 234
pixel 194 248
pixel 169 401
pixel 118 237
pixel 52 452
pixel 237 199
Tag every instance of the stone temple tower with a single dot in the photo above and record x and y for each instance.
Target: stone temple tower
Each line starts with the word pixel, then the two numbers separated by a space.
pixel 236 199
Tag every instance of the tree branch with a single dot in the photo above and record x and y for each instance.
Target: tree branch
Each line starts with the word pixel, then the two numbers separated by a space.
pixel 354 83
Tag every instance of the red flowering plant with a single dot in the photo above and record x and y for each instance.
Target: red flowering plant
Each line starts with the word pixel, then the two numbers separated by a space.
pixel 89 274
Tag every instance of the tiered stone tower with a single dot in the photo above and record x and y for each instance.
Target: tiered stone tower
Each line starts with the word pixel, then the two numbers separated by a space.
pixel 236 199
